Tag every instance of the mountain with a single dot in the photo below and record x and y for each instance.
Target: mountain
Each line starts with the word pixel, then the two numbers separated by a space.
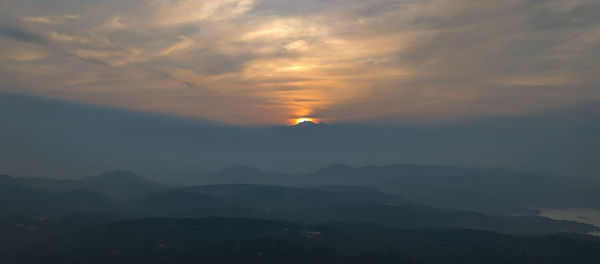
pixel 50 185
pixel 42 196
pixel 495 191
pixel 334 204
pixel 233 175
pixel 7 182
pixel 263 201
pixel 63 139
pixel 491 191
pixel 347 189
pixel 122 194
pixel 121 185
pixel 16 199
pixel 239 240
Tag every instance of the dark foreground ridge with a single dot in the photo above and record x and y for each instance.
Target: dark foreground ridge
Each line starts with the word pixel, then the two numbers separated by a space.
pixel 126 196
pixel 239 240
pixel 120 217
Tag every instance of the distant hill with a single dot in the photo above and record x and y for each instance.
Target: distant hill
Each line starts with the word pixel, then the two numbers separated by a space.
pixel 348 189
pixel 239 174
pixel 16 199
pixel 496 191
pixel 121 185
pixel 492 191
pixel 126 195
pixel 335 204
pixel 96 193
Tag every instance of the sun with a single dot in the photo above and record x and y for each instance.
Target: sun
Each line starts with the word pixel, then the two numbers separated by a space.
pixel 304 119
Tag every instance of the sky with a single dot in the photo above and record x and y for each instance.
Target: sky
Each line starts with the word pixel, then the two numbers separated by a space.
pixel 247 62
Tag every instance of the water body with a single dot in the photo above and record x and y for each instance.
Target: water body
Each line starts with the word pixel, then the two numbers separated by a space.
pixel 582 215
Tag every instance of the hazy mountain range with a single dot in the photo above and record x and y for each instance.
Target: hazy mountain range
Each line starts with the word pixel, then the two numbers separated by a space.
pixel 494 191
pixel 59 139
pixel 123 195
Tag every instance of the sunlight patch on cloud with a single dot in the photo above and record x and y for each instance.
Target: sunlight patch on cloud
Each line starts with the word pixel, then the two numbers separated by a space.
pixel 549 79
pixel 298 45
pixel 72 16
pixel 50 20
pixel 284 28
pixel 183 44
pixel 24 52
pixel 42 20
pixel 190 11
pixel 61 37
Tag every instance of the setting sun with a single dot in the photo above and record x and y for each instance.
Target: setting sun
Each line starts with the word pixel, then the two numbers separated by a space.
pixel 304 119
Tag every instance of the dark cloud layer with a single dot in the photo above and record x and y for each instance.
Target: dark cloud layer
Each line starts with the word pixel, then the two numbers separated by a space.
pixel 22 35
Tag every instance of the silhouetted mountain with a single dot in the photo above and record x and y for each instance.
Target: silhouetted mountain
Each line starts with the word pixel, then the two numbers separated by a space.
pixel 117 177
pixel 121 185
pixel 337 205
pixel 492 191
pixel 48 197
pixel 240 174
pixel 71 226
pixel 237 240
pixel 16 199
pixel 336 169
pixel 50 185
pixel 495 191
pixel 7 181
pixel 85 201
pixel 347 189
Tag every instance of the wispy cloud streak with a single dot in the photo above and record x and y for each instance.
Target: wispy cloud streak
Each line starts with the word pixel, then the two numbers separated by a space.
pixel 267 61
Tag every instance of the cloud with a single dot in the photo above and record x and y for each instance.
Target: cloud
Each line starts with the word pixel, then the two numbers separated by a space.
pixel 43 20
pixel 50 20
pixel 72 16
pixel 336 59
pixel 114 23
pixel 61 37
pixel 112 57
pixel 22 35
pixel 183 44
pixel 297 45
pixel 189 11
pixel 24 52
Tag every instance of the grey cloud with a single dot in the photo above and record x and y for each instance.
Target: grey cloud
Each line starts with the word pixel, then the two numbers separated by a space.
pixel 291 7
pixel 22 35
pixel 585 15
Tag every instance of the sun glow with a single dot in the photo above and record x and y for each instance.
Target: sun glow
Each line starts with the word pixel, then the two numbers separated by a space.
pixel 304 119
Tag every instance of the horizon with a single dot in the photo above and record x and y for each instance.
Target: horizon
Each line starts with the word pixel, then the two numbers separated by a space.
pixel 81 139
pixel 261 170
pixel 379 121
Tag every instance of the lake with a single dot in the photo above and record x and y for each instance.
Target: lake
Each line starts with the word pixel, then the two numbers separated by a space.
pixel 582 215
